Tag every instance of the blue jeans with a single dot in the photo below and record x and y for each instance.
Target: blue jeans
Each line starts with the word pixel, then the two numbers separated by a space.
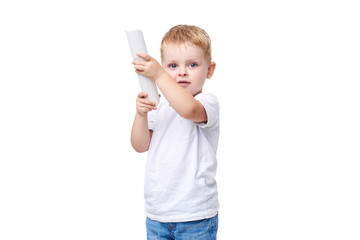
pixel 204 229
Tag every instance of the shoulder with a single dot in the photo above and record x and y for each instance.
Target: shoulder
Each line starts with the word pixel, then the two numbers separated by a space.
pixel 208 100
pixel 209 96
pixel 212 108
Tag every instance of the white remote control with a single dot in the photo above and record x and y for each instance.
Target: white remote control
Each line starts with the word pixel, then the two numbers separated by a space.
pixel 137 44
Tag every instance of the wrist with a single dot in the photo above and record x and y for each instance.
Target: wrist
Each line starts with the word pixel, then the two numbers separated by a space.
pixel 141 115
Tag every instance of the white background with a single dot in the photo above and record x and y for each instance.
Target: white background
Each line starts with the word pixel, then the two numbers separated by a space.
pixel 287 79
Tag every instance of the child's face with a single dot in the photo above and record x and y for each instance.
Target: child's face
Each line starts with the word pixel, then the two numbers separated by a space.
pixel 186 65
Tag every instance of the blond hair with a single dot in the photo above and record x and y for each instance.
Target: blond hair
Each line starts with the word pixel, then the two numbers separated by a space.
pixel 183 34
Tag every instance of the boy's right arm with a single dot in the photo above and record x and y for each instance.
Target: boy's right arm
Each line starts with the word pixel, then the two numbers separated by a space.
pixel 140 133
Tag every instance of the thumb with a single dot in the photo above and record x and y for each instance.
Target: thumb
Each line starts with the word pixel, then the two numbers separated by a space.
pixel 142 94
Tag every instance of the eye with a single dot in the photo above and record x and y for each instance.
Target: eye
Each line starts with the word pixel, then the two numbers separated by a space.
pixel 192 65
pixel 172 65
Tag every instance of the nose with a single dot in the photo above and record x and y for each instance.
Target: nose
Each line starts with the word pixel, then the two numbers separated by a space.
pixel 182 72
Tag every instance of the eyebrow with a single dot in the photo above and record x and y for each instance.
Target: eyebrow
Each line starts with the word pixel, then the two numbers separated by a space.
pixel 187 60
pixel 194 59
pixel 172 61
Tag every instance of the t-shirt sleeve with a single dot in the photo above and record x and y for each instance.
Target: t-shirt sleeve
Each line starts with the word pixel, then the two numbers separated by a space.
pixel 211 105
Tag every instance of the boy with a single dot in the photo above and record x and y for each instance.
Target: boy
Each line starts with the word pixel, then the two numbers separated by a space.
pixel 181 136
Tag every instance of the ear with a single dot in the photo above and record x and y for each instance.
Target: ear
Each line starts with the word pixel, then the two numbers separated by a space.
pixel 211 70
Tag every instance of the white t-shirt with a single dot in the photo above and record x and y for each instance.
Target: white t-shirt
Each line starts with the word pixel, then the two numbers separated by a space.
pixel 181 164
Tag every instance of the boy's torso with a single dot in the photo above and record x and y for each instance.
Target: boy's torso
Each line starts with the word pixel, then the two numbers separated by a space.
pixel 180 168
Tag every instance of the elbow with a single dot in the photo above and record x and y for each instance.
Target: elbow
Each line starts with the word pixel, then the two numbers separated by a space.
pixel 139 148
pixel 189 114
pixel 189 111
pixel 194 112
pixel 140 142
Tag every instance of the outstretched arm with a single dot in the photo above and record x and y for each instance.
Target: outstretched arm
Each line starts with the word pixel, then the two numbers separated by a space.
pixel 179 98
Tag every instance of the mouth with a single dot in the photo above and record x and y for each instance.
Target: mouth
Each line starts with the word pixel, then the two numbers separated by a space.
pixel 183 83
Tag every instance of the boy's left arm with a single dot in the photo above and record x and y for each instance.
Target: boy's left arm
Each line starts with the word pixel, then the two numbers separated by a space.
pixel 179 98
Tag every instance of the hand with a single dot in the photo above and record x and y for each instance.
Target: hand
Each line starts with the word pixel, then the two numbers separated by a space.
pixel 143 105
pixel 148 66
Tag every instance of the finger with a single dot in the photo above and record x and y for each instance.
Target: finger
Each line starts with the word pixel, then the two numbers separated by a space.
pixel 146 108
pixel 144 56
pixel 145 105
pixel 138 61
pixel 142 94
pixel 147 102
pixel 143 97
pixel 139 68
pixel 139 71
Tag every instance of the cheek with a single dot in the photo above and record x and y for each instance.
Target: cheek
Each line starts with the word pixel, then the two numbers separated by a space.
pixel 171 73
pixel 201 75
